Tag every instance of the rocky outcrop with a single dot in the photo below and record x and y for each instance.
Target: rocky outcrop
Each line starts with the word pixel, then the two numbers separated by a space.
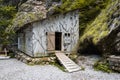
pixel 111 43
pixel 103 34
pixel 30 11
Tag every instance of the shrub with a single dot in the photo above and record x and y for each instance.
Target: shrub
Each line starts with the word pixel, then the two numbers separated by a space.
pixel 102 66
pixel 12 55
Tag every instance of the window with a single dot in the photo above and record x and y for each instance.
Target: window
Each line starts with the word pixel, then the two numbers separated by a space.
pixel 67 34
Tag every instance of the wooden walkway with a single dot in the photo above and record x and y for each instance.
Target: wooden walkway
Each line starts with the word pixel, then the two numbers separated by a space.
pixel 67 62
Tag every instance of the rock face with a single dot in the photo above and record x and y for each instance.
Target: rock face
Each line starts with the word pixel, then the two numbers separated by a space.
pixel 30 11
pixel 103 34
pixel 111 43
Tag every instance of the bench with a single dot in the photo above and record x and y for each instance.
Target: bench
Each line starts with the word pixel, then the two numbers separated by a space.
pixel 4 52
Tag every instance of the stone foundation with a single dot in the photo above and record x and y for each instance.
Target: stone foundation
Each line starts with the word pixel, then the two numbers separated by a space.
pixel 29 60
pixel 114 62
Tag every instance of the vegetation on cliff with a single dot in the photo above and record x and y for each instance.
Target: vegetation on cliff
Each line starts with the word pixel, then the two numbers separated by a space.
pixel 100 27
pixel 7 12
pixel 94 17
pixel 89 9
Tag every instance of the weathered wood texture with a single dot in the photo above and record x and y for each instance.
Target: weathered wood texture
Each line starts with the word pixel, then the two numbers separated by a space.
pixel 67 62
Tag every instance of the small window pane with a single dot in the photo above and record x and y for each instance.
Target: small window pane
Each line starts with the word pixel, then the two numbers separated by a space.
pixel 65 34
pixel 68 34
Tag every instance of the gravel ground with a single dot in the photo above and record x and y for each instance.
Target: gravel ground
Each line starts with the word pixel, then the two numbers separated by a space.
pixel 13 69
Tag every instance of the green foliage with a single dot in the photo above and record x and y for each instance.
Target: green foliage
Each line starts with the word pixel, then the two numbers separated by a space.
pixel 73 56
pixel 90 12
pixel 98 28
pixel 89 9
pixel 102 66
pixel 7 13
pixel 68 5
pixel 22 18
pixel 59 66
pixel 12 55
pixel 82 68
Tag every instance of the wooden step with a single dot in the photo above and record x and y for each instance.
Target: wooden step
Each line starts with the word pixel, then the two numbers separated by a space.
pixel 67 62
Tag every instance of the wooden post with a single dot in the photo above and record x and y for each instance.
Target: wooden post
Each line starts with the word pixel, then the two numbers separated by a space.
pixel 5 51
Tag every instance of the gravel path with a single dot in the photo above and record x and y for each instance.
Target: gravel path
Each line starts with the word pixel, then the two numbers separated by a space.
pixel 13 69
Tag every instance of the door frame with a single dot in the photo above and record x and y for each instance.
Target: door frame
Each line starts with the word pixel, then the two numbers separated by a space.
pixel 60 40
pixel 54 41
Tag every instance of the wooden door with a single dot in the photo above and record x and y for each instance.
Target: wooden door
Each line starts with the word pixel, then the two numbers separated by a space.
pixel 50 41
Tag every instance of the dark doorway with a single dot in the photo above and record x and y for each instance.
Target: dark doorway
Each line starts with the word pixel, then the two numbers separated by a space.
pixel 58 39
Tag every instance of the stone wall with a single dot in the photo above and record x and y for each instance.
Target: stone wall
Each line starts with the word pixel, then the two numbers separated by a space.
pixel 31 61
pixel 114 62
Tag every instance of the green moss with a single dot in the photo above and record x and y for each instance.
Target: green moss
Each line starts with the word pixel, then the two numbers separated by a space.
pixel 73 56
pixel 68 5
pixel 12 55
pixel 59 66
pixel 82 68
pixel 23 18
pixel 98 29
pixel 102 66
pixel 30 64
pixel 7 12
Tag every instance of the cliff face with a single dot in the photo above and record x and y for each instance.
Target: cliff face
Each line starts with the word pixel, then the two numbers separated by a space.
pixel 103 34
pixel 30 11
pixel 111 43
